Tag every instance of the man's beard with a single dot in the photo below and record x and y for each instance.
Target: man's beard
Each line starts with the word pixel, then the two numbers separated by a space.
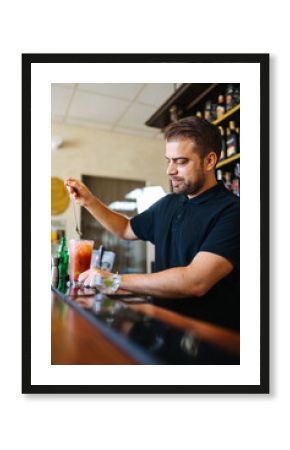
pixel 190 188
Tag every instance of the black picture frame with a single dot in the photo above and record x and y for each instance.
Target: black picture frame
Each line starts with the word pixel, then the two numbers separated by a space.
pixel 263 61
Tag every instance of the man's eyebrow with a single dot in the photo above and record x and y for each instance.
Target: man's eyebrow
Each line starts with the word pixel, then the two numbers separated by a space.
pixel 174 159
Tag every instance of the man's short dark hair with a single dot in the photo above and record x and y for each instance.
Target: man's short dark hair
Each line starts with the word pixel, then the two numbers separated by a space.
pixel 206 136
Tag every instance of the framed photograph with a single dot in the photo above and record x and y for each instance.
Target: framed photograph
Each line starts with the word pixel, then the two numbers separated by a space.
pixel 145 223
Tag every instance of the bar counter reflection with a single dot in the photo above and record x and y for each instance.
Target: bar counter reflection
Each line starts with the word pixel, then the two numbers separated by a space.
pixel 91 328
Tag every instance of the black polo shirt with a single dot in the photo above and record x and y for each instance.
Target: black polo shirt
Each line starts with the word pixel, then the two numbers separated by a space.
pixel 180 228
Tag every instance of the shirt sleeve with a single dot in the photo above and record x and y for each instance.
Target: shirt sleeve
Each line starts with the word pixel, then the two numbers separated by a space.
pixel 143 225
pixel 224 237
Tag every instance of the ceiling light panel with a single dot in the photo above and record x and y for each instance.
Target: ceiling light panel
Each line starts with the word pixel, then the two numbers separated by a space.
pixel 125 91
pixel 136 116
pixel 88 123
pixel 96 108
pixel 60 98
pixel 65 85
pixel 155 93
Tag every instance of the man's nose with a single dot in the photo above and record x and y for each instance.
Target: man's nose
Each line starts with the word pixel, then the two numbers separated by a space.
pixel 171 169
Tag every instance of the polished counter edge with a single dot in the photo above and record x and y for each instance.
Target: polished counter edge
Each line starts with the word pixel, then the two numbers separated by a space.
pixel 133 350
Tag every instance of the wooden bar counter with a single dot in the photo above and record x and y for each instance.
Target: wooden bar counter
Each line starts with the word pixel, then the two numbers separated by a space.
pixel 92 329
pixel 74 340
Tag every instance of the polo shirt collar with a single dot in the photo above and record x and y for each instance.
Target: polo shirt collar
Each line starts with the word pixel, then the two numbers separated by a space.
pixel 206 195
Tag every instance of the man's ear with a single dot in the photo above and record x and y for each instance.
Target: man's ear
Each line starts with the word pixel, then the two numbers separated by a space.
pixel 210 161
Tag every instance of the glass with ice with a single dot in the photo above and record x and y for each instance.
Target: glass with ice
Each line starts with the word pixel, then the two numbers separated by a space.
pixel 80 255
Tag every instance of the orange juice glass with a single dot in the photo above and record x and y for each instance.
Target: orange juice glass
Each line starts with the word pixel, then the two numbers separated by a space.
pixel 80 255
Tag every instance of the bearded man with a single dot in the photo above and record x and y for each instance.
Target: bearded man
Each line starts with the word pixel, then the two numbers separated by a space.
pixel 195 230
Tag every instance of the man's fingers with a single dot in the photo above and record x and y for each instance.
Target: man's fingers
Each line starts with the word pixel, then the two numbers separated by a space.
pixel 72 185
pixel 70 182
pixel 74 191
pixel 73 194
pixel 84 275
pixel 88 278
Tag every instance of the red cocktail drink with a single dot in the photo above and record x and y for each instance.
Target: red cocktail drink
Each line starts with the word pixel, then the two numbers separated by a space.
pixel 80 255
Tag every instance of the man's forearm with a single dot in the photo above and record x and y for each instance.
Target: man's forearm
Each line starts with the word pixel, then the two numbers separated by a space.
pixel 175 283
pixel 114 222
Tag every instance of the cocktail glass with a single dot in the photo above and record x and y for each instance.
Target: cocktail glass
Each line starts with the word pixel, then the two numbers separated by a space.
pixel 80 255
pixel 104 284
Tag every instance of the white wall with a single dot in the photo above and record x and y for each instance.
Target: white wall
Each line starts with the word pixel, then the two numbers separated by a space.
pixel 88 151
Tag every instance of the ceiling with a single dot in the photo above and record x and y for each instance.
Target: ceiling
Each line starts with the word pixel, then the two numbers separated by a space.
pixel 121 108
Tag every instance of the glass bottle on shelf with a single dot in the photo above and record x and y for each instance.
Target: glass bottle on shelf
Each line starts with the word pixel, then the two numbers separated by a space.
pixel 213 111
pixel 237 170
pixel 238 138
pixel 236 186
pixel 236 95
pixel 230 101
pixel 232 140
pixel 219 175
pixel 228 133
pixel 207 111
pixel 224 147
pixel 228 180
pixel 173 113
pixel 220 109
pixel 236 180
